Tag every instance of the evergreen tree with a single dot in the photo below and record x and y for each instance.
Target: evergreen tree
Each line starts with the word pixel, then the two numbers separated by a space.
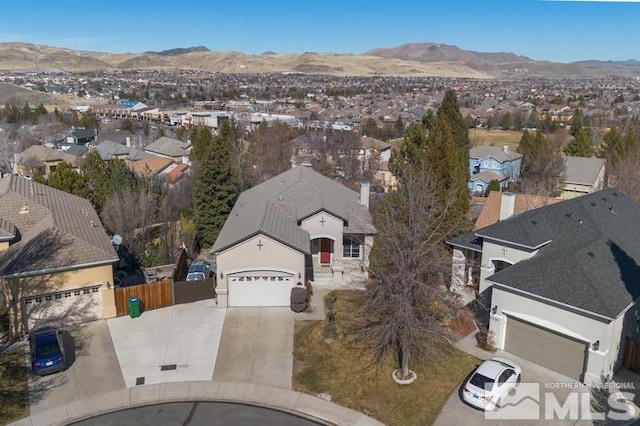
pixel 494 185
pixel 68 180
pixel 505 121
pixel 412 152
pixel 215 184
pixel 577 121
pixel 532 122
pixel 581 145
pixel 427 119
pixel 613 148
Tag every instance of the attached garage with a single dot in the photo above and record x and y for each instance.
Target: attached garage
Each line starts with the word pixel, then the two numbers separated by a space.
pixel 546 347
pixel 256 289
pixel 63 307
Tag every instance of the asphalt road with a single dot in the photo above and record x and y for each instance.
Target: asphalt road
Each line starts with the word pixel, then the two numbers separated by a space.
pixel 196 414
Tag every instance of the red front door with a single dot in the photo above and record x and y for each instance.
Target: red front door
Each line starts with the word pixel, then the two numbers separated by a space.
pixel 325 250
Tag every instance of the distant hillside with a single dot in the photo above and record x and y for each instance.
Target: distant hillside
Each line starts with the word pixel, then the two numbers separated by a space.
pixel 410 60
pixel 181 51
pixel 10 93
pixel 433 52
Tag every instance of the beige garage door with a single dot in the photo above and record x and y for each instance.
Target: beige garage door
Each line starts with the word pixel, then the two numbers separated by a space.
pixel 545 347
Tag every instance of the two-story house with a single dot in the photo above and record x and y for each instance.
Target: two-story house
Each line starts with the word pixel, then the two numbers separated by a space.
pixel 488 163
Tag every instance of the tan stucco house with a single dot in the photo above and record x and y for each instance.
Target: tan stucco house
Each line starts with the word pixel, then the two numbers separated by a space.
pixel 294 227
pixel 561 283
pixel 55 256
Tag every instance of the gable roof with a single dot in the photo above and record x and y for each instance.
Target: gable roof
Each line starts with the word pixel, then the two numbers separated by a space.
pixel 487 176
pixel 495 152
pixel 523 202
pixel 169 147
pixel 45 155
pixel 57 231
pixel 149 166
pixel 118 137
pixel 276 206
pixel 582 170
pixel 588 256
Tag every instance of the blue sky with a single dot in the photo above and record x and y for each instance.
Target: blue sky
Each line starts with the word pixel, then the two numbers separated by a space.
pixel 562 31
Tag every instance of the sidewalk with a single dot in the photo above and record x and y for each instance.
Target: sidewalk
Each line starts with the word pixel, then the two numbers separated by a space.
pixel 280 399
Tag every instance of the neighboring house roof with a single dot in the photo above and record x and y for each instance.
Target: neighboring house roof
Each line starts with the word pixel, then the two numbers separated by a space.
pixel 277 206
pixel 57 231
pixel 118 137
pixel 176 173
pixel 83 133
pixel 583 170
pixel 523 202
pixel 77 150
pixel 149 166
pixel 495 152
pixel 43 154
pixel 367 142
pixel 588 252
pixel 109 150
pixel 7 230
pixel 169 147
pixel 487 176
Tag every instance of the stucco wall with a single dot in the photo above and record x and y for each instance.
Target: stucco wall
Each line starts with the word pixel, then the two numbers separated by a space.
pixel 600 363
pixel 259 253
pixel 494 251
pixel 331 228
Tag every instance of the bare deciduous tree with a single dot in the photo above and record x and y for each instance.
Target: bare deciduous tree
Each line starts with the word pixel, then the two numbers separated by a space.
pixel 407 301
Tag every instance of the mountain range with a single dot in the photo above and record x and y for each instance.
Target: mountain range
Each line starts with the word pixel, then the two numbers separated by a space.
pixel 415 59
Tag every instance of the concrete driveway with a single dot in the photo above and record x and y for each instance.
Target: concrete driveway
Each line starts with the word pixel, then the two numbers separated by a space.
pixel 92 369
pixel 257 347
pixel 539 383
pixel 172 344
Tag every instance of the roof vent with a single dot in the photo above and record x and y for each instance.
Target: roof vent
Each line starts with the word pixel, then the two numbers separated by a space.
pixel 280 197
pixel 591 254
pixel 93 224
pixel 24 209
pixel 579 222
pixel 611 209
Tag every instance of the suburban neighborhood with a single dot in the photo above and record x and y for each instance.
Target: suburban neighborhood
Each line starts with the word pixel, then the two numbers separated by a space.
pixel 318 245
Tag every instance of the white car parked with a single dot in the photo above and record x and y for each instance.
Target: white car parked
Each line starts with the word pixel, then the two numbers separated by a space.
pixel 491 382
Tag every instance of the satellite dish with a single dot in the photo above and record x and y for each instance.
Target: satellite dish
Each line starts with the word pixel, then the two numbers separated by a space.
pixel 116 240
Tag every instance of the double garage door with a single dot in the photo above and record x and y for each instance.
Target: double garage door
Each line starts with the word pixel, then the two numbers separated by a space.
pixel 63 307
pixel 546 347
pixel 260 290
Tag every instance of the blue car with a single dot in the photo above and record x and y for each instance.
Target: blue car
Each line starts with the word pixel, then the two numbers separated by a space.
pixel 47 350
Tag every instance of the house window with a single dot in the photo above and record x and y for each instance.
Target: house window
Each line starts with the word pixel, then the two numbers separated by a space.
pixel 315 246
pixel 351 247
pixel 485 163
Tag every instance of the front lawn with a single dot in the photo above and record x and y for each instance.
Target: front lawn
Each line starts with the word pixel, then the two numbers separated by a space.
pixel 14 395
pixel 340 370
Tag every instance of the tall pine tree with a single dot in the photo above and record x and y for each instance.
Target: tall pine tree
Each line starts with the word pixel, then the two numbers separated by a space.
pixel 215 186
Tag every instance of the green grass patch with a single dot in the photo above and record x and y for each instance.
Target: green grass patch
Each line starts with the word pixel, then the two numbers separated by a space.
pixel 14 394
pixel 341 370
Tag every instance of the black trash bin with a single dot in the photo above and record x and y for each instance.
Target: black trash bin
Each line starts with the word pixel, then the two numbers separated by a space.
pixel 298 299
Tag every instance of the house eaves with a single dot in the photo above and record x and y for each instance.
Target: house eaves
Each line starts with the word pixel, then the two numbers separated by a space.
pixel 58 270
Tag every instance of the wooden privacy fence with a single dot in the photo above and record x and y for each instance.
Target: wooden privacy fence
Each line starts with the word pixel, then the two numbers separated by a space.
pixel 192 291
pixel 153 295
pixel 159 294
pixel 631 360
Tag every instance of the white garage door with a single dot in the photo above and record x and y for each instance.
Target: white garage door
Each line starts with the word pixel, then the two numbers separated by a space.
pixel 63 307
pixel 546 347
pixel 260 290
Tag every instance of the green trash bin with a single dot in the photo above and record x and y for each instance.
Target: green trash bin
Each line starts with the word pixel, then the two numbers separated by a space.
pixel 134 307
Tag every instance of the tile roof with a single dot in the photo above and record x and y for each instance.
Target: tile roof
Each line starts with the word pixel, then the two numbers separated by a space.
pixel 495 152
pixel 57 230
pixel 149 166
pixel 276 206
pixel 582 170
pixel 176 173
pixel 588 255
pixel 523 202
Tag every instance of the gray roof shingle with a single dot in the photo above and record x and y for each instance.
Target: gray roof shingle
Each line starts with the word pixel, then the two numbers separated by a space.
pixel 495 152
pixel 588 256
pixel 276 206
pixel 57 230
pixel 582 170
pixel 169 147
